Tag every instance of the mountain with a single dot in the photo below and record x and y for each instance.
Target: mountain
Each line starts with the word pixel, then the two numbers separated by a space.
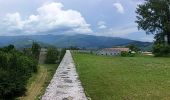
pixel 79 40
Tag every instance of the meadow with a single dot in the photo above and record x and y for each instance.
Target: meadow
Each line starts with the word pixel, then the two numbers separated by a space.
pixel 124 78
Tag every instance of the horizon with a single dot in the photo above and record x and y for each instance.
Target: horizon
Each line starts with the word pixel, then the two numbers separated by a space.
pixel 112 18
pixel 71 35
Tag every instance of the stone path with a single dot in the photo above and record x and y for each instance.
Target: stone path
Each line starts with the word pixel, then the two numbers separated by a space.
pixel 65 84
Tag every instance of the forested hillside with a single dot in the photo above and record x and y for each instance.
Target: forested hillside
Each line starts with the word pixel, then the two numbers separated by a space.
pixel 64 41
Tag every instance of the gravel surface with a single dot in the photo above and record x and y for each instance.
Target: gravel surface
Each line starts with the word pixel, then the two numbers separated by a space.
pixel 65 84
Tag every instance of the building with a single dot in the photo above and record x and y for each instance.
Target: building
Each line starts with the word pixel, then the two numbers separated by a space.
pixel 112 51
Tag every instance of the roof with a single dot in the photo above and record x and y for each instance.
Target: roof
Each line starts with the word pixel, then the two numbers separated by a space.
pixel 117 49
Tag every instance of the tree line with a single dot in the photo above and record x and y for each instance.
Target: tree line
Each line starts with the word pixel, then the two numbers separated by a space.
pixel 16 67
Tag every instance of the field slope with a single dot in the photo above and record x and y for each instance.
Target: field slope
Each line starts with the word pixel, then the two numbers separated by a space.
pixel 124 78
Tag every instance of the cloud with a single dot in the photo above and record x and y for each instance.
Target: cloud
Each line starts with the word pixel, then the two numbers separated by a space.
pixel 119 7
pixel 50 17
pixel 101 25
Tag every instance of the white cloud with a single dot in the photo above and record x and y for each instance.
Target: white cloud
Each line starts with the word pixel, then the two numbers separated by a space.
pixel 13 21
pixel 119 7
pixel 49 18
pixel 102 25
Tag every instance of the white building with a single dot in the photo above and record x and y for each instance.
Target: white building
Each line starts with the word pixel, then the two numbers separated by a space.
pixel 112 51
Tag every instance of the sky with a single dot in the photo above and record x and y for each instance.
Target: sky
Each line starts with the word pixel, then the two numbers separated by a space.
pixel 112 18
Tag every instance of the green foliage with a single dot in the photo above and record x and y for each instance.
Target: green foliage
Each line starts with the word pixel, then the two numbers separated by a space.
pixel 154 18
pixel 62 53
pixel 161 50
pixel 127 54
pixel 52 55
pixel 15 69
pixel 35 50
pixel 133 47
pixel 27 51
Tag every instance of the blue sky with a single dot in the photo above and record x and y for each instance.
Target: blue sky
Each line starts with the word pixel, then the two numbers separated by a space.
pixel 113 18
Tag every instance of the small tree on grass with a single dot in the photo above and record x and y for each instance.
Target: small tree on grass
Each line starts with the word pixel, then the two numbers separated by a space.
pixel 52 55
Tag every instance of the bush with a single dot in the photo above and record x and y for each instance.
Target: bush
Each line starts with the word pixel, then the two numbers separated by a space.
pixel 15 70
pixel 161 50
pixel 35 50
pixel 62 53
pixel 52 55
pixel 127 54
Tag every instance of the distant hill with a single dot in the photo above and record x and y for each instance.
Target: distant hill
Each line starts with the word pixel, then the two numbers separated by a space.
pixel 82 41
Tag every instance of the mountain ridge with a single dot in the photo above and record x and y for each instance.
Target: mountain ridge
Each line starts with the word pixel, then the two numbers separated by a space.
pixel 78 40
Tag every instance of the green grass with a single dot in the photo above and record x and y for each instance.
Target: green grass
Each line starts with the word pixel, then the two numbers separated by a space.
pixel 39 81
pixel 124 78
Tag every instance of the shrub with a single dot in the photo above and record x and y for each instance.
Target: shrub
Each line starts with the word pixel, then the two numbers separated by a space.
pixel 62 53
pixel 161 50
pixel 15 69
pixel 127 54
pixel 52 55
pixel 35 50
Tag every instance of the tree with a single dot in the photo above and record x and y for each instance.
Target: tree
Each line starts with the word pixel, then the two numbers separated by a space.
pixel 15 70
pixel 35 50
pixel 154 18
pixel 52 55
pixel 133 47
pixel 62 53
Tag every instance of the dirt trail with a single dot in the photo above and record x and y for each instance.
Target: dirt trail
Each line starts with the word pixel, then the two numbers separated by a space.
pixel 37 85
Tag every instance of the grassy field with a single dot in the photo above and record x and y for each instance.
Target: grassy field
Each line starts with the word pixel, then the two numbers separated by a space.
pixel 39 81
pixel 124 78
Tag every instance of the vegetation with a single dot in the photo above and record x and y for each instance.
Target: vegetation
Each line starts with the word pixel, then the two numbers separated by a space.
pixel 161 50
pixel 127 54
pixel 38 83
pixel 154 18
pixel 35 50
pixel 64 41
pixel 52 55
pixel 124 78
pixel 134 48
pixel 15 69
pixel 62 53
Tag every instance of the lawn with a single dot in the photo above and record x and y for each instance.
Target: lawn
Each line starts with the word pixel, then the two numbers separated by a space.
pixel 39 81
pixel 124 78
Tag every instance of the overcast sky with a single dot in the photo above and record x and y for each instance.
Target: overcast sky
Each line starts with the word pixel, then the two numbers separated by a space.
pixel 114 18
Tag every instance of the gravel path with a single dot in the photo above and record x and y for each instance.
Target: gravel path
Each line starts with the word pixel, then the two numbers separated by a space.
pixel 65 84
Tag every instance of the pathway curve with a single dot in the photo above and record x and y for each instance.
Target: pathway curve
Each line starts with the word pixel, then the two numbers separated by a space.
pixel 65 84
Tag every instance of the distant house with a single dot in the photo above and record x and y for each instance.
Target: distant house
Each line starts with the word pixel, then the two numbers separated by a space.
pixel 147 53
pixel 112 51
